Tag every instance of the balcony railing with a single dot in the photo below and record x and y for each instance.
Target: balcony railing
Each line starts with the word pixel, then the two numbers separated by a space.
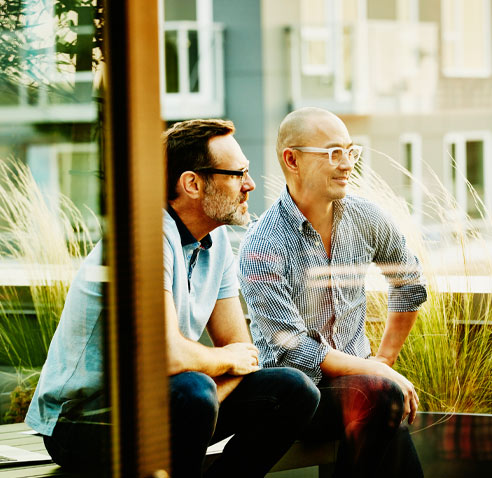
pixel 363 67
pixel 192 83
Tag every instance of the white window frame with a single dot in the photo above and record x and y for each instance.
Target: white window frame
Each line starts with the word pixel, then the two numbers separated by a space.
pixel 332 34
pixel 460 139
pixel 459 70
pixel 415 139
pixel 209 100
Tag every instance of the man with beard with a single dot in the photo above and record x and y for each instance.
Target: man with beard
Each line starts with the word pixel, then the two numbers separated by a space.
pixel 220 391
pixel 302 271
pixel 216 391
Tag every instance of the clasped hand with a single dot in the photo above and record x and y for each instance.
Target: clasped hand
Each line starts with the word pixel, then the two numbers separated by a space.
pixel 244 358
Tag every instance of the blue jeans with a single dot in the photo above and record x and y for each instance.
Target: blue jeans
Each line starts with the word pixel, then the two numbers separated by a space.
pixel 266 412
pixel 83 442
pixel 364 413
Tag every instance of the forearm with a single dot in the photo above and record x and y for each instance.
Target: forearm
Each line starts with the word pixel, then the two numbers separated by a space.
pixel 226 385
pixel 188 355
pixel 398 326
pixel 337 363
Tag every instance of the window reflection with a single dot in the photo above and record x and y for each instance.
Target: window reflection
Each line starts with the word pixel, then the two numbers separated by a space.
pixel 51 186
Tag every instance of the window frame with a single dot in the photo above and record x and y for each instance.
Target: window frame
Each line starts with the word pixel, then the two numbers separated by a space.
pixel 135 172
pixel 459 70
pixel 460 138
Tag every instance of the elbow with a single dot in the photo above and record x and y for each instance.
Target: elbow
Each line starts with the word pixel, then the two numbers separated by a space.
pixel 176 360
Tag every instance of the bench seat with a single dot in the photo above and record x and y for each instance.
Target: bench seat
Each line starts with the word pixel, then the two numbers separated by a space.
pixel 300 455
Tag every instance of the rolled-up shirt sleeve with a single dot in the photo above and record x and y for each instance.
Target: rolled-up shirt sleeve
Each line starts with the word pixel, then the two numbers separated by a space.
pixel 269 298
pixel 400 266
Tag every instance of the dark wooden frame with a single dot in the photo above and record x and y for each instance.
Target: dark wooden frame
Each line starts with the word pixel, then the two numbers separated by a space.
pixel 135 172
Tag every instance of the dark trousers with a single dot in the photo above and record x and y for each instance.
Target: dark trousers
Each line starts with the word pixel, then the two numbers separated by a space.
pixel 266 413
pixel 364 413
pixel 82 443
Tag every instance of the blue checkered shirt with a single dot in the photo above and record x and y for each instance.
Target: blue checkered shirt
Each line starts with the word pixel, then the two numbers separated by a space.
pixel 302 303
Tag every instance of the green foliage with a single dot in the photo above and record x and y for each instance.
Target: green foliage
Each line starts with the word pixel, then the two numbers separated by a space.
pixel 38 36
pixel 20 398
pixel 42 241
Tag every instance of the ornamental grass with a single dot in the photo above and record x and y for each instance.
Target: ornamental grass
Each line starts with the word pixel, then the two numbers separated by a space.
pixel 42 241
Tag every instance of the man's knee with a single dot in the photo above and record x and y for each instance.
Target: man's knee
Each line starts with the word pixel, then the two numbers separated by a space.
pixel 195 393
pixel 389 401
pixel 297 387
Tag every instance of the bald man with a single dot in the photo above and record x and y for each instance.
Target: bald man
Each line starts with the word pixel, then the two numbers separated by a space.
pixel 302 270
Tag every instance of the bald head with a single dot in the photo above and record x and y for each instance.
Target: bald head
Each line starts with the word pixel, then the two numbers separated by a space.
pixel 297 128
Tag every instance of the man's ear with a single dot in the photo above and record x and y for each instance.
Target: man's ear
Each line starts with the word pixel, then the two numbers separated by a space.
pixel 290 160
pixel 190 183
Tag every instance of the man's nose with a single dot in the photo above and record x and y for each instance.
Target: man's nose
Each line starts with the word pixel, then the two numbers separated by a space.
pixel 249 184
pixel 345 163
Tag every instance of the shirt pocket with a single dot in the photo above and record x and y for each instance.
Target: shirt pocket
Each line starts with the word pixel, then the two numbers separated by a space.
pixel 349 278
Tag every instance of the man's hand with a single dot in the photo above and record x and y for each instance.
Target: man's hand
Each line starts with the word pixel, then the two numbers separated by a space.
pixel 337 363
pixel 243 358
pixel 411 399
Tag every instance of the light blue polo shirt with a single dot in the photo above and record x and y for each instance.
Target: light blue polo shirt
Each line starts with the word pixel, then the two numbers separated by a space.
pixel 197 273
pixel 73 370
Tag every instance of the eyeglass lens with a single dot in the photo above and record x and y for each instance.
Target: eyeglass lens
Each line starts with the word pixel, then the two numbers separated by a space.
pixel 336 155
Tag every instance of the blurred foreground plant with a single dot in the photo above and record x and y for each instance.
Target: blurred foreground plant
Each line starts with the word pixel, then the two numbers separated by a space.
pixel 42 240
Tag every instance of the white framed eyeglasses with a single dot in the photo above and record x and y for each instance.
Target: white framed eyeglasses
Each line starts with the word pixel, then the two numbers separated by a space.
pixel 335 154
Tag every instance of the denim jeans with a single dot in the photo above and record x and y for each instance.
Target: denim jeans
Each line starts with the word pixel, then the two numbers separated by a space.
pixel 364 413
pixel 266 413
pixel 82 443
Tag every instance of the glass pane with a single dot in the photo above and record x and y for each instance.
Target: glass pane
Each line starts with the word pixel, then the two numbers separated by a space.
pixel 408 162
pixel 452 151
pixel 475 173
pixel 51 217
pixel 180 10
pixel 381 9
pixel 172 62
pixel 193 62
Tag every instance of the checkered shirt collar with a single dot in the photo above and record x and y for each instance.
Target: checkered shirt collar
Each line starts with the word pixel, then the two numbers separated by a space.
pixel 297 219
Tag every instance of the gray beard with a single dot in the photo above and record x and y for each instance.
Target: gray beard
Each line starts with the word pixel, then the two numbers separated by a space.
pixel 220 208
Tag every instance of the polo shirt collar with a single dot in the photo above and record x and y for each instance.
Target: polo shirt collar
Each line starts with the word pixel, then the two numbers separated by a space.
pixel 185 235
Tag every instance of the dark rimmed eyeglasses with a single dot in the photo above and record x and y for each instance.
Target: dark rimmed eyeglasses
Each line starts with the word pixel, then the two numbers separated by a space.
pixel 241 173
